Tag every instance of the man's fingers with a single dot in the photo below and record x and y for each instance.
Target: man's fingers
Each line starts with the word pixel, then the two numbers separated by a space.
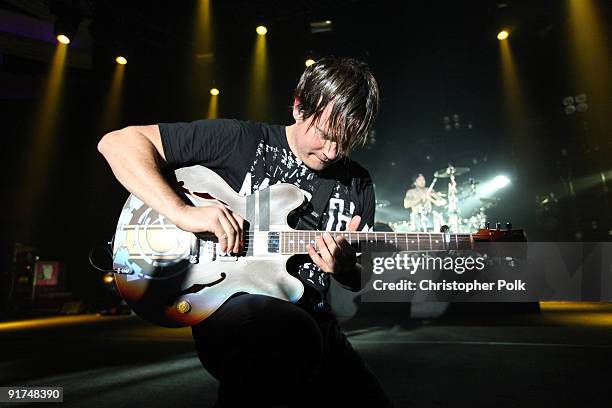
pixel 316 258
pixel 221 236
pixel 345 247
pixel 327 248
pixel 235 247
pixel 354 223
pixel 229 215
pixel 240 222
pixel 229 232
pixel 235 229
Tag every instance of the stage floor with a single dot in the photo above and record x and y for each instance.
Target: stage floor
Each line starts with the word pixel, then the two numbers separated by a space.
pixel 559 357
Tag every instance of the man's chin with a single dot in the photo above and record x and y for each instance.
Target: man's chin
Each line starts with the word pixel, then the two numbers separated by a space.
pixel 317 165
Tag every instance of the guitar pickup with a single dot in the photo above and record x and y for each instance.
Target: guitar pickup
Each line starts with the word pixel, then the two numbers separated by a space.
pixel 273 242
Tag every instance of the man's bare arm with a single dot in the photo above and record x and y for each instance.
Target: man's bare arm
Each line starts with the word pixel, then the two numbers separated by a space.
pixel 136 156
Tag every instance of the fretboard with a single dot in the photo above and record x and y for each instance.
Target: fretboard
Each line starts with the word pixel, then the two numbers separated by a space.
pixel 295 242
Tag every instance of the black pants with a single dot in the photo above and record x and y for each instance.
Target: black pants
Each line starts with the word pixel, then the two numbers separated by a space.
pixel 267 352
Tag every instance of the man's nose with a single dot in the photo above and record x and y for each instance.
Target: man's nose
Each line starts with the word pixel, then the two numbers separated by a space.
pixel 331 150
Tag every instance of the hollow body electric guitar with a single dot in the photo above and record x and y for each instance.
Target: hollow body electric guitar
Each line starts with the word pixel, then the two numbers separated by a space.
pixel 175 278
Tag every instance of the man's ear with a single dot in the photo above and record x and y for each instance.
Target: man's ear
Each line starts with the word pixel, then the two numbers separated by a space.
pixel 297 113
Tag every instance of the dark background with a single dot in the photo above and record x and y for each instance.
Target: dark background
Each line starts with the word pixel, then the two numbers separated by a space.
pixel 431 60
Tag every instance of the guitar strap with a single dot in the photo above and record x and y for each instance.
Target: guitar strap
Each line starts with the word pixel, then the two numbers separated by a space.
pixel 313 213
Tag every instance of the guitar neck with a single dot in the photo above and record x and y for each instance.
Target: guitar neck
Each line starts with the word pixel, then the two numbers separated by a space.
pixel 295 242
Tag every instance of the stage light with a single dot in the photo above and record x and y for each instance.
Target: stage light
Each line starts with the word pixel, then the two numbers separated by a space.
pixel 309 62
pixel 121 60
pixel 502 35
pixel 258 90
pixel 63 39
pixel 109 278
pixel 321 26
pixel 582 98
pixel 500 182
pixel 67 23
pixel 261 30
pixel 214 91
pixel 575 104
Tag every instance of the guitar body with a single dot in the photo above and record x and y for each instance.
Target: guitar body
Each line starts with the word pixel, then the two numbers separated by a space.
pixel 174 278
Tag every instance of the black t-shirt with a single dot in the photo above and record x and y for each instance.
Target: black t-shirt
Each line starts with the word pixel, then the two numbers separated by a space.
pixel 251 156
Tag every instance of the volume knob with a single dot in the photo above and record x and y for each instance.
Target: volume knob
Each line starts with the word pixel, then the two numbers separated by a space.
pixel 183 307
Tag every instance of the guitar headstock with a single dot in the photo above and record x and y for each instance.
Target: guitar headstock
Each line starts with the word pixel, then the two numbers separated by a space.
pixel 497 234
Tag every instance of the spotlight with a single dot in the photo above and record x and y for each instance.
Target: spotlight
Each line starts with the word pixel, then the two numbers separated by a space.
pixel 63 39
pixel 121 60
pixel 582 107
pixel 309 62
pixel 109 278
pixel 321 26
pixel 569 109
pixel 261 30
pixel 214 91
pixel 502 35
pixel 66 25
pixel 575 104
pixel 582 98
pixel 568 100
pixel 500 182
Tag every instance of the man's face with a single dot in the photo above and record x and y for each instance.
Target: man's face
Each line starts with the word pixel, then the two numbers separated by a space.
pixel 312 143
pixel 420 181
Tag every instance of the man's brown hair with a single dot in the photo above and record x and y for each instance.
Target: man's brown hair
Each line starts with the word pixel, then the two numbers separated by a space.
pixel 352 90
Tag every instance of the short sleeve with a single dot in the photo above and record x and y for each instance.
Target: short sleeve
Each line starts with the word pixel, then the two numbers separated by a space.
pixel 212 143
pixel 368 205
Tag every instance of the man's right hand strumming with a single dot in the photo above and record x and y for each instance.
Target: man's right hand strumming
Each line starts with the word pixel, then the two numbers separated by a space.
pixel 217 219
pixel 136 156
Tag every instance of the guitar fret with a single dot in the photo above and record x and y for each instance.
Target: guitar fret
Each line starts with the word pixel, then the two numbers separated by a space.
pixel 293 242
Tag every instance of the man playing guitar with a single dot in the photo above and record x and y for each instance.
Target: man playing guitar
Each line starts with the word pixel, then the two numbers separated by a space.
pixel 266 351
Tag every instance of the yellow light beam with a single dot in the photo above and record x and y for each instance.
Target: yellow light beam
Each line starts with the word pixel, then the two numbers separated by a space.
pixel 203 32
pixel 258 96
pixel 515 105
pixel 112 106
pixel 203 58
pixel 513 95
pixel 47 322
pixel 588 39
pixel 43 140
pixel 213 107
pixel 590 63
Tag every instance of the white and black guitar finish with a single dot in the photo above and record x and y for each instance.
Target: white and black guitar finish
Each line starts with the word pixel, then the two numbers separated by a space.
pixel 175 278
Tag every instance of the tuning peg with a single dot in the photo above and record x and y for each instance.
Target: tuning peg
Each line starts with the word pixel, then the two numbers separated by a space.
pixel 498 226
pixel 508 226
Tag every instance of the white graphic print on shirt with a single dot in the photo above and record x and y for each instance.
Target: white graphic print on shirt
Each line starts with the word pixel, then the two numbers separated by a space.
pixel 273 165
